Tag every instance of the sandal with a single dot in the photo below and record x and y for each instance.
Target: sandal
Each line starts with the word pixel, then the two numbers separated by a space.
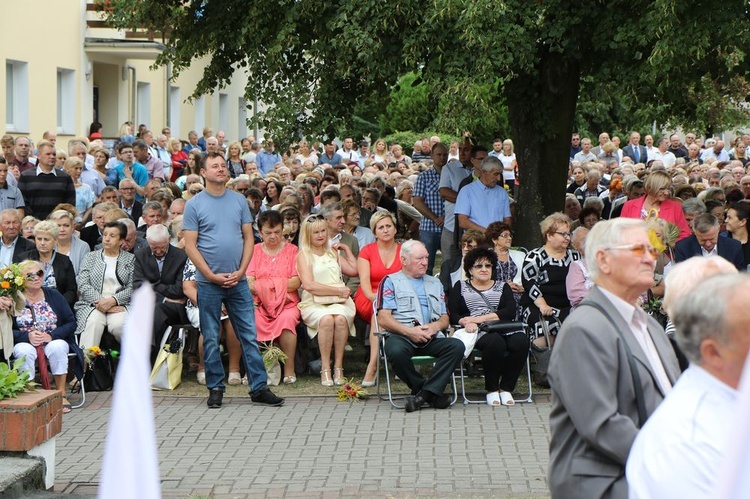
pixel 290 380
pixel 201 377
pixel 325 377
pixel 66 407
pixel 507 398
pixel 338 376
pixel 245 381
pixel 234 378
pixel 493 399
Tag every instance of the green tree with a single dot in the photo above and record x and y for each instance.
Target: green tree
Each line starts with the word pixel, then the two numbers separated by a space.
pixel 408 106
pixel 310 60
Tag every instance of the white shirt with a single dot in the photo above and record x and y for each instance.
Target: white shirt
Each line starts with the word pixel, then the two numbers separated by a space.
pixel 636 319
pixel 713 252
pixel 667 158
pixel 678 452
pixel 350 155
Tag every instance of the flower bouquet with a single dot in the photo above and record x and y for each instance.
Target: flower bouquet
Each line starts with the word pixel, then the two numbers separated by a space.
pixel 272 355
pixel 12 284
pixel 352 391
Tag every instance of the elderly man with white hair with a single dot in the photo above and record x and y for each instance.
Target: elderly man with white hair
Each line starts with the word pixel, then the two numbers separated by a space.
pixel 160 264
pixel 412 309
pixel 679 452
pixel 611 366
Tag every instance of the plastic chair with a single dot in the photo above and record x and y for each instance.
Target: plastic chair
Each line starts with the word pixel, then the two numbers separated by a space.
pixel 418 360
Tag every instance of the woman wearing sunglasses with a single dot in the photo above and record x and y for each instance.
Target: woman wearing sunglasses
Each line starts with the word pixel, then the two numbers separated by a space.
pixel 326 307
pixel 45 324
pixel 481 298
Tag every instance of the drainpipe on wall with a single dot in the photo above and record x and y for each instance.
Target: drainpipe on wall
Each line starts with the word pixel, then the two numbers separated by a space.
pixel 133 96
pixel 169 97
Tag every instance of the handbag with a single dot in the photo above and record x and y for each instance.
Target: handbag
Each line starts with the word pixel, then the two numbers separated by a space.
pixel 501 327
pixel 467 338
pixel 542 356
pixel 100 375
pixel 328 300
pixel 167 371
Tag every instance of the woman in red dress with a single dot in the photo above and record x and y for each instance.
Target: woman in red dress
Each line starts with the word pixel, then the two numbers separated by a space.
pixel 376 260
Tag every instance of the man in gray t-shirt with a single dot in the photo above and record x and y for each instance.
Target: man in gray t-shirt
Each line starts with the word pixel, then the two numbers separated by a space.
pixel 219 241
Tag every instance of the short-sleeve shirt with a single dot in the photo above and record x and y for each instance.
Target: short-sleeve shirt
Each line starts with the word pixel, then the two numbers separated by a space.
pixel 218 220
pixel 483 205
pixel 389 298
pixel 451 176
pixel 426 187
pixel 10 197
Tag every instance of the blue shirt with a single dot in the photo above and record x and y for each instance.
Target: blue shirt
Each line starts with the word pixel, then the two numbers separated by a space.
pixel 426 187
pixel 218 220
pixel 10 196
pixel 451 176
pixel 266 161
pixel 140 175
pixel 483 205
pixel 334 160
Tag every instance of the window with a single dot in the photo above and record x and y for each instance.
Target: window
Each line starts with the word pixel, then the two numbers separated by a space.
pixel 16 96
pixel 224 113
pixel 144 105
pixel 66 101
pixel 242 118
pixel 174 111
pixel 199 106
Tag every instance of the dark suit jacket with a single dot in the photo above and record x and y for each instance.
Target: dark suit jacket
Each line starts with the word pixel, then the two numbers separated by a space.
pixel 594 416
pixel 91 236
pixel 137 211
pixel 169 283
pixel 23 246
pixel 65 276
pixel 729 249
pixel 629 151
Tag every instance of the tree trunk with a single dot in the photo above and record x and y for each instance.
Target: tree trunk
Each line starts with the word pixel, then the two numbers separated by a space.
pixel 541 109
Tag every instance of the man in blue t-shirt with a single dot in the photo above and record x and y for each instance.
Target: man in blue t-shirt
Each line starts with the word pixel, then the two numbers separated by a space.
pixel 219 241
pixel 131 169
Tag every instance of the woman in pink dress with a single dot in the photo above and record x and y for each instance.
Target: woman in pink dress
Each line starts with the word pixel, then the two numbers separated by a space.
pixel 272 277
pixel 376 260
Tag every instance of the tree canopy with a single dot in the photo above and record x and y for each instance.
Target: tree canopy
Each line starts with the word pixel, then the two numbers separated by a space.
pixel 310 60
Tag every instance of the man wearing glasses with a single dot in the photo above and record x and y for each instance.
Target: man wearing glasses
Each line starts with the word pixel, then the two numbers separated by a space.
pixel 128 203
pixel 129 168
pixel 611 366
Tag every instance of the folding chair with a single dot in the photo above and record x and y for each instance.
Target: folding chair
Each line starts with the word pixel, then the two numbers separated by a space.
pixel 420 360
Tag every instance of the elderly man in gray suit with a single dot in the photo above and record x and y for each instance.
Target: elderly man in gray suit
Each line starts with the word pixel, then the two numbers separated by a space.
pixel 610 368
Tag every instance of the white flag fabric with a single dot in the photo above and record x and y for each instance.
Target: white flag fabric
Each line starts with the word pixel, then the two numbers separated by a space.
pixel 130 468
pixel 733 481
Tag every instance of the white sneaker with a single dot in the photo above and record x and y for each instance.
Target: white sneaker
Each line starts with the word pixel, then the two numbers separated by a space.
pixel 201 376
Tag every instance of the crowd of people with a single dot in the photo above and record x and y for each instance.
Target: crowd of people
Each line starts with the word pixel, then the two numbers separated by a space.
pixel 259 245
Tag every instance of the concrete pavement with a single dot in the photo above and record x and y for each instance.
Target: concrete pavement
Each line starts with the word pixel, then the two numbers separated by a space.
pixel 318 447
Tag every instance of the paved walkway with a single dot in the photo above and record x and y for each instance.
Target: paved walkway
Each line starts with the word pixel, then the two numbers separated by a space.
pixel 318 447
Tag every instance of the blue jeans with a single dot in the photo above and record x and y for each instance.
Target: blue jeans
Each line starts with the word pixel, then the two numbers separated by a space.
pixel 431 241
pixel 239 304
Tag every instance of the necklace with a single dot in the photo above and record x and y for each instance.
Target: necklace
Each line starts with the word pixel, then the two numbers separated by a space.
pixel 275 253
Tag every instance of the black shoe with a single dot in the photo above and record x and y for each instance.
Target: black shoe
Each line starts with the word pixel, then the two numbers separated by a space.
pixel 214 398
pixel 414 402
pixel 266 397
pixel 442 401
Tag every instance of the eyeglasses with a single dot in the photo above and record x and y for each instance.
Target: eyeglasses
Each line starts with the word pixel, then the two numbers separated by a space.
pixel 508 235
pixel 565 235
pixel 127 188
pixel 470 246
pixel 33 275
pixel 194 191
pixel 314 218
pixel 242 189
pixel 637 249
pixel 479 266
pixel 288 237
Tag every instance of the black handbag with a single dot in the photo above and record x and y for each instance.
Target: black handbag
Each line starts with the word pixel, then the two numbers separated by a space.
pixel 100 376
pixel 501 327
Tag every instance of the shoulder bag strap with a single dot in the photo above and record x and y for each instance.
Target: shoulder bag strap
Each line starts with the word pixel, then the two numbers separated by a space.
pixel 639 400
pixel 489 305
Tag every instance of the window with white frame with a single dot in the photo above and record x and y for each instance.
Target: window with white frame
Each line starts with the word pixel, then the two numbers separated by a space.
pixel 16 96
pixel 199 106
pixel 224 113
pixel 174 111
pixel 66 101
